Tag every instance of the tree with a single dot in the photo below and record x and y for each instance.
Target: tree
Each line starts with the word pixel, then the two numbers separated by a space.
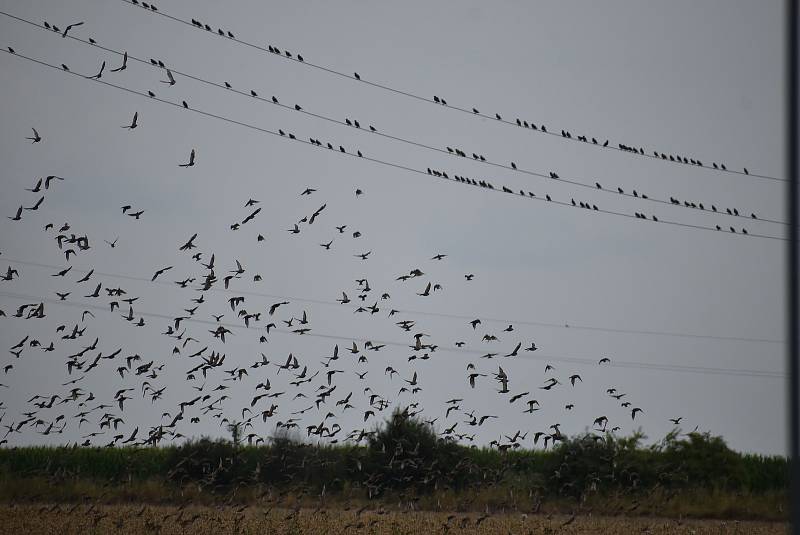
pixel 235 429
pixel 407 453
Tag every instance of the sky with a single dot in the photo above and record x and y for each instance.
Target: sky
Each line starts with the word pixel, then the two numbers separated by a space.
pixel 700 80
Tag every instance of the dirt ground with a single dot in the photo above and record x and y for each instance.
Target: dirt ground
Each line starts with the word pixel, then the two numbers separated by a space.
pixel 133 519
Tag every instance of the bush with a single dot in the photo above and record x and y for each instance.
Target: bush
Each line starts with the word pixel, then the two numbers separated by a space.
pixel 704 461
pixel 407 454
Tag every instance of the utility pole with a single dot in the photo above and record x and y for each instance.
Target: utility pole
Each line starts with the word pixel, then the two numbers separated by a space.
pixel 792 327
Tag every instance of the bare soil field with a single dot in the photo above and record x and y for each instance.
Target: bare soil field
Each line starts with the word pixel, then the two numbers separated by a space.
pixel 133 519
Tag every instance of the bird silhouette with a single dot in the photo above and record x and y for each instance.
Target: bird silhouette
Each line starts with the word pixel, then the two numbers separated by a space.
pixel 190 163
pixel 160 272
pixel 170 79
pixel 68 28
pixel 100 73
pixel 36 137
pixel 133 122
pixel 124 63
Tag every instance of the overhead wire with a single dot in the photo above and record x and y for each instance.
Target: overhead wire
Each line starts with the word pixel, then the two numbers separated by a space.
pixel 448 151
pixel 442 176
pixel 633 194
pixel 543 357
pixel 497 118
pixel 564 325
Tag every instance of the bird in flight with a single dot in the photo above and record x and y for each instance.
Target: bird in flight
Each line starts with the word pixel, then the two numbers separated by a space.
pixel 68 28
pixel 99 74
pixel 37 204
pixel 133 122
pixel 159 272
pixel 189 244
pixel 36 137
pixel 191 160
pixel 124 64
pixel 275 306
pixel 315 214
pixel 251 216
pixel 17 217
pixel 170 80
pixel 427 291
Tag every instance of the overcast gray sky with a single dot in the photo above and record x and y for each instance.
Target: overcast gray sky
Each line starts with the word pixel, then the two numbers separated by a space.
pixel 700 80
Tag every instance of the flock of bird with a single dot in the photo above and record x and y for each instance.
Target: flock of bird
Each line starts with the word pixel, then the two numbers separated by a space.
pixel 52 412
pixel 710 208
pixel 436 99
pixel 274 383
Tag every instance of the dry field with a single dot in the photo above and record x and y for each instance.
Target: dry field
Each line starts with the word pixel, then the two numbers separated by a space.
pixel 101 519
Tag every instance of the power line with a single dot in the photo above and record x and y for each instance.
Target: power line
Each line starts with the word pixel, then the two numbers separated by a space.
pixel 543 358
pixel 473 111
pixel 456 179
pixel 448 151
pixel 566 325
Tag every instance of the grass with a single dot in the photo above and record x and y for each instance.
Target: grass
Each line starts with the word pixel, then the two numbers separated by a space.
pixel 129 519
pixel 696 503
pixel 695 478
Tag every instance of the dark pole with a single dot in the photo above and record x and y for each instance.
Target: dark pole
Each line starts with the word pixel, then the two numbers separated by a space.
pixel 792 331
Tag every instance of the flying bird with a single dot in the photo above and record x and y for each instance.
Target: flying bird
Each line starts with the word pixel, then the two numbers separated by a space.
pixel 36 137
pixel 133 122
pixel 189 244
pixel 170 80
pixel 251 216
pixel 124 63
pixel 427 291
pixel 191 160
pixel 36 205
pixel 160 272
pixel 68 28
pixel 17 217
pixel 99 74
